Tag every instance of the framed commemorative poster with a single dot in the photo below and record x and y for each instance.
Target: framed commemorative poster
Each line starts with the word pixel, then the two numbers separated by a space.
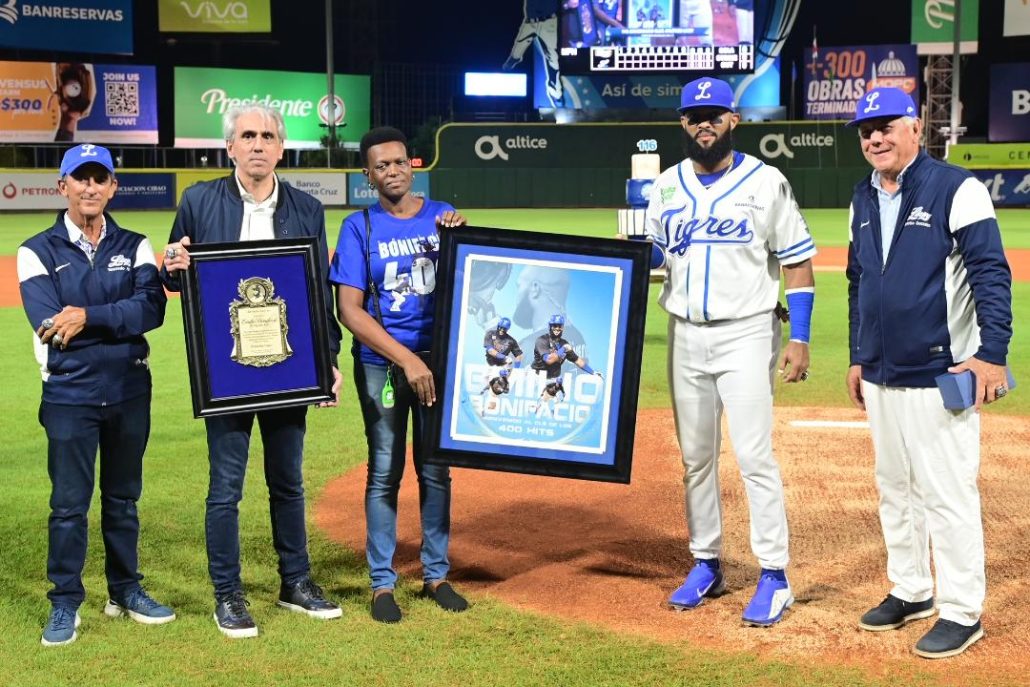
pixel 537 347
pixel 254 316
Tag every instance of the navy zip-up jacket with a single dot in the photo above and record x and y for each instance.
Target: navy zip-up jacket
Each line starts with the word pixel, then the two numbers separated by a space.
pixel 123 298
pixel 945 292
pixel 212 212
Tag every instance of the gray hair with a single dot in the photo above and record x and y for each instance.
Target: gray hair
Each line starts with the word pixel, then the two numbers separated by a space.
pixel 237 111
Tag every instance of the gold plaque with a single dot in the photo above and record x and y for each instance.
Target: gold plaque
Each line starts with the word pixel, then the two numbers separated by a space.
pixel 258 322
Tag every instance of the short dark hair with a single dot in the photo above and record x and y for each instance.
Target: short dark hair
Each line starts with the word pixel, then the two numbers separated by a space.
pixel 381 134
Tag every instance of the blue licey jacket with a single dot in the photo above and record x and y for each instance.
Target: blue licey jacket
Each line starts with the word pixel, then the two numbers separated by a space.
pixel 945 292
pixel 121 292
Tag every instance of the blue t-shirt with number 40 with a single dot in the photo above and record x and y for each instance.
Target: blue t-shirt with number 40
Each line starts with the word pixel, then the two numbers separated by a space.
pixel 403 259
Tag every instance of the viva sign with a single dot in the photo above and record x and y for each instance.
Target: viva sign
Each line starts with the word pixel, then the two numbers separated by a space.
pixel 202 96
pixel 221 16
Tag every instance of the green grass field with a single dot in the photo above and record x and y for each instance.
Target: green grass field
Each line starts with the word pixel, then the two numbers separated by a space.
pixel 491 645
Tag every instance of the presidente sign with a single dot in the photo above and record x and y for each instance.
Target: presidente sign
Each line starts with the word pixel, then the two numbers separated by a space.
pixel 202 96
pixel 215 16
pixel 933 26
pixel 574 146
pixel 837 78
pixel 72 101
pixel 95 26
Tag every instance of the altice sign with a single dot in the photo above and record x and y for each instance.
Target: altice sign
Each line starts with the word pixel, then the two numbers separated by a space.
pixel 202 96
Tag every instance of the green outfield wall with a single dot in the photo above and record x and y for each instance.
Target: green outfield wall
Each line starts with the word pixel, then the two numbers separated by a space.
pixel 582 165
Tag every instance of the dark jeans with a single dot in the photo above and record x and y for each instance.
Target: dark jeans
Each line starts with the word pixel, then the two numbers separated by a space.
pixel 228 443
pixel 74 433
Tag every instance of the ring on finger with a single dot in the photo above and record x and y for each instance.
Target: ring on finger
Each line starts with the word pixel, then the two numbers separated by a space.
pixel 57 340
pixel 804 376
pixel 1000 392
pixel 48 323
pixel 170 253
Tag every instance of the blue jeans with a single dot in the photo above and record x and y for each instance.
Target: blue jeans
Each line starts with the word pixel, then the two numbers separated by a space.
pixel 228 442
pixel 386 430
pixel 74 433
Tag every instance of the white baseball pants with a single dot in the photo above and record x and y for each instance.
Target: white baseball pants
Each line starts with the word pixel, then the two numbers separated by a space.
pixel 728 364
pixel 927 461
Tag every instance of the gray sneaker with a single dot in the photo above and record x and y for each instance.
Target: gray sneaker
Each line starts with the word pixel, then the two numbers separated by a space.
pixel 60 627
pixel 141 607
pixel 893 613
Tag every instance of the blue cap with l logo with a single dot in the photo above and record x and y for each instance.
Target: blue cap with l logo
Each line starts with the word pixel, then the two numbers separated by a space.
pixel 84 154
pixel 707 92
pixel 885 101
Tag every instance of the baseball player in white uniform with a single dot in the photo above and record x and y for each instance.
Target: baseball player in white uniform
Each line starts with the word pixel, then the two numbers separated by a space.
pixel 725 224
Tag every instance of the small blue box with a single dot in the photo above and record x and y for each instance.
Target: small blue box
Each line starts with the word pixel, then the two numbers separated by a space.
pixel 957 389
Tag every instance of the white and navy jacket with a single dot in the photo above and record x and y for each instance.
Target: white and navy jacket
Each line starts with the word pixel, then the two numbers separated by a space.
pixel 945 291
pixel 122 295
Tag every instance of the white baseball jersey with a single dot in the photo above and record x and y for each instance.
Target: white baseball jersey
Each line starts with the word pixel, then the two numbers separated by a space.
pixel 724 245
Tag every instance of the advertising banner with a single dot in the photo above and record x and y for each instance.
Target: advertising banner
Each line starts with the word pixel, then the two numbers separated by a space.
pixel 1008 187
pixel 575 146
pixel 215 16
pixel 1009 105
pixel 144 191
pixel 990 155
pixel 1017 18
pixel 74 101
pixel 94 26
pixel 359 194
pixel 328 187
pixel 30 191
pixel 203 95
pixel 760 90
pixel 836 78
pixel 933 26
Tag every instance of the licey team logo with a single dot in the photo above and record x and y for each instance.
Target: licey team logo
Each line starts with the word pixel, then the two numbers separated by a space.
pixel 870 103
pixel 702 91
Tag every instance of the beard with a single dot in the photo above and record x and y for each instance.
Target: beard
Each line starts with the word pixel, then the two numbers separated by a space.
pixel 712 155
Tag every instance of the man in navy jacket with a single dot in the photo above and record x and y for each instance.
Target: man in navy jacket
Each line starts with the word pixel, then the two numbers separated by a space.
pixel 91 290
pixel 253 204
pixel 929 292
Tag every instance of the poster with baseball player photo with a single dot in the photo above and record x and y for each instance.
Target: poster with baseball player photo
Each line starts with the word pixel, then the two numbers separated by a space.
pixel 537 352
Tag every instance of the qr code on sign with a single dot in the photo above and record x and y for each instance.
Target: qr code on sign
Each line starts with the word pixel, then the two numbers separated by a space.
pixel 122 98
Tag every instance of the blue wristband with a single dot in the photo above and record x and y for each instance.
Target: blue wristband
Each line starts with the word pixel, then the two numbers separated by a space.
pixel 799 303
pixel 657 256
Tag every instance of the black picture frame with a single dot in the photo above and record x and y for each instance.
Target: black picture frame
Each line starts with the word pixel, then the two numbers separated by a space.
pixel 586 429
pixel 290 277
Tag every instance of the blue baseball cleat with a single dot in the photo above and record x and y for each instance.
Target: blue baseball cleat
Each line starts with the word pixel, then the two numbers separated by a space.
pixel 771 599
pixel 704 579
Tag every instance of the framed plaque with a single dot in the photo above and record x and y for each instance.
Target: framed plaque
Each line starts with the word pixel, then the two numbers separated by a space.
pixel 254 315
pixel 555 393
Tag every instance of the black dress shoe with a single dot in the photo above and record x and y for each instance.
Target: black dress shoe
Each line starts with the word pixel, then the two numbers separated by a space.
pixel 947 638
pixel 307 597
pixel 385 608
pixel 445 597
pixel 893 613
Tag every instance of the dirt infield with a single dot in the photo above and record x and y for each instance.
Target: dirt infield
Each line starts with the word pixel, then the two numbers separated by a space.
pixel 828 259
pixel 610 554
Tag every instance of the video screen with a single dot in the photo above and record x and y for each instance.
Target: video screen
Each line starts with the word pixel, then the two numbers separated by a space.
pixel 713 36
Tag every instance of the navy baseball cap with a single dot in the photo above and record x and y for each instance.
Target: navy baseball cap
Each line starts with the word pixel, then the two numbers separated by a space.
pixel 885 101
pixel 84 154
pixel 707 92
